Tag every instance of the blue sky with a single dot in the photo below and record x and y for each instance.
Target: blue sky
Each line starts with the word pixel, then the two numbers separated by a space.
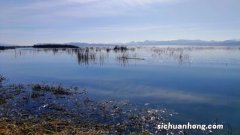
pixel 60 21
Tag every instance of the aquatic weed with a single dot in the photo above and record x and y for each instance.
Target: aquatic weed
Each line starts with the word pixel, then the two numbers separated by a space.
pixel 57 90
pixel 40 111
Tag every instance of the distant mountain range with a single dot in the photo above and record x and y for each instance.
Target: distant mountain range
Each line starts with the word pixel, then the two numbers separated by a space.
pixel 169 42
pixel 153 42
pixel 93 44
pixel 186 42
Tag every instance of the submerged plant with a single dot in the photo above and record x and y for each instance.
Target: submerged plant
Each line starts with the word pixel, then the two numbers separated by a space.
pixel 53 109
pixel 57 90
pixel 2 78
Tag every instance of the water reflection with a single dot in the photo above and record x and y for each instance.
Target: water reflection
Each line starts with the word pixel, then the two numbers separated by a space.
pixel 121 55
pixel 125 56
pixel 191 80
pixel 179 54
pixel 85 56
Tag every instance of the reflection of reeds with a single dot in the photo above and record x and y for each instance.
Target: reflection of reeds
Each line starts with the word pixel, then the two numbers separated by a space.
pixel 90 55
pixel 122 59
pixel 84 56
pixel 176 53
pixel 108 50
pixel 123 55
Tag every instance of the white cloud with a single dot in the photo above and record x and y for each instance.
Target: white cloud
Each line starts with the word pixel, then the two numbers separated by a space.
pixel 71 9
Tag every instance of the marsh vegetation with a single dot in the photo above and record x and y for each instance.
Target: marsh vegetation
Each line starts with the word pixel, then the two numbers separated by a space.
pixel 6 47
pixel 54 46
pixel 54 109
pixel 121 54
pixel 45 109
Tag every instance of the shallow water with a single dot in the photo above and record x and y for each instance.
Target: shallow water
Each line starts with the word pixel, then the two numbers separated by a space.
pixel 200 83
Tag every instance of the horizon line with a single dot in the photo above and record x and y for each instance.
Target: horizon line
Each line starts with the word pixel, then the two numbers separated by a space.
pixel 200 40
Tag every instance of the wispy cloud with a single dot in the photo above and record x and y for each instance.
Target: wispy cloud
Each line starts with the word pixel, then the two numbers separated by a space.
pixel 58 9
pixel 123 20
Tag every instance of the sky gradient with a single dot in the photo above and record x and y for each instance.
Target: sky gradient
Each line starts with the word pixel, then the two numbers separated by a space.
pixel 28 22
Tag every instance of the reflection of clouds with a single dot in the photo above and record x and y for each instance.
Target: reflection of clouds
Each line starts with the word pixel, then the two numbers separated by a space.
pixel 125 88
pixel 181 55
pixel 153 55
pixel 176 95
pixel 164 95
pixel 113 80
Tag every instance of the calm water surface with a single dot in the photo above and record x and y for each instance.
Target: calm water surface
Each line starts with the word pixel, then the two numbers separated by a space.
pixel 202 84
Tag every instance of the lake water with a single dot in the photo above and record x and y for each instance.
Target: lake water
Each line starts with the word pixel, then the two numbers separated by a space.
pixel 200 83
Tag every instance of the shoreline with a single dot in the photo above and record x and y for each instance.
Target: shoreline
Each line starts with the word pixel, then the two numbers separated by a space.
pixel 54 109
